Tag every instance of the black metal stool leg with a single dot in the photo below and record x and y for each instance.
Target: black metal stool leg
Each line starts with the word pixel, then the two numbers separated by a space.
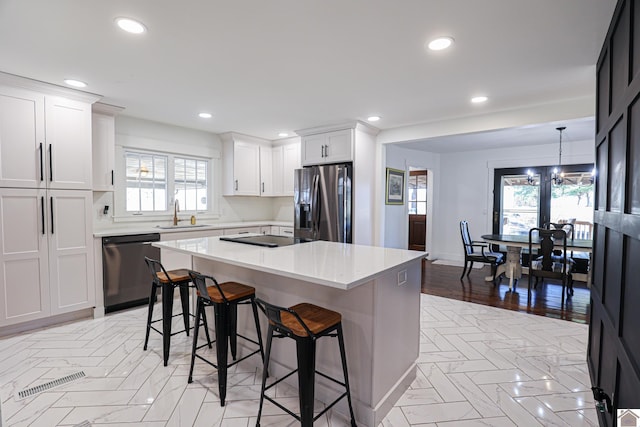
pixel 306 349
pixel 265 368
pixel 222 345
pixel 184 299
pixel 343 356
pixel 233 329
pixel 258 331
pixel 152 301
pixel 206 326
pixel 199 309
pixel 167 312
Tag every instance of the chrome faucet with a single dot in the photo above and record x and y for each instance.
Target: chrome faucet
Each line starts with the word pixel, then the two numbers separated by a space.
pixel 176 209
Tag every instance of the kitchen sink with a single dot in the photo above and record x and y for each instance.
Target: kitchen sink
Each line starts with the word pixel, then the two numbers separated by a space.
pixel 173 227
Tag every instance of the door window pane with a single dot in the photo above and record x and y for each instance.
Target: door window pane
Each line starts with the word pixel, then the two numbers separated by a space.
pixel 572 202
pixel 520 203
pixel 417 192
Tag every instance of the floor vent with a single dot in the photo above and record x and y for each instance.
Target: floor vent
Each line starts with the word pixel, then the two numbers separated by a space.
pixel 48 386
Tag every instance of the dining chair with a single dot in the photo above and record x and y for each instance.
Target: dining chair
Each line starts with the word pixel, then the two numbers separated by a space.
pixel 548 265
pixel 478 251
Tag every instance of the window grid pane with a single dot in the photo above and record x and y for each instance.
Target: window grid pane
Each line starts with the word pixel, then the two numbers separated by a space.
pixel 146 182
pixel 190 181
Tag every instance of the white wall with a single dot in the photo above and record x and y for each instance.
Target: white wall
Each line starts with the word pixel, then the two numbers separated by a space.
pixel 396 223
pixel 465 185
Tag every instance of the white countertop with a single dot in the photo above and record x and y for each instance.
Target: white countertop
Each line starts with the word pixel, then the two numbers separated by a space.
pixel 338 265
pixel 144 229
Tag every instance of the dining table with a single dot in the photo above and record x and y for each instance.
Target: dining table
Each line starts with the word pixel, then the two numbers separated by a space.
pixel 512 267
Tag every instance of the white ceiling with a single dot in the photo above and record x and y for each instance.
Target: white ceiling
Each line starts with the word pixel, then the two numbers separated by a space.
pixel 265 66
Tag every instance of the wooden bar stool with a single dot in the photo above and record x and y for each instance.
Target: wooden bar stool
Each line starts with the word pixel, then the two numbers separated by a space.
pixel 305 323
pixel 168 281
pixel 225 298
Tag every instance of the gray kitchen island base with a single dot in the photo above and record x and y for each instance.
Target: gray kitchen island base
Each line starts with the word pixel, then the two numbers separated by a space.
pixel 377 291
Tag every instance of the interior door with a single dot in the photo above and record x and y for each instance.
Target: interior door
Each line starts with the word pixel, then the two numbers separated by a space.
pixel 613 354
pixel 417 204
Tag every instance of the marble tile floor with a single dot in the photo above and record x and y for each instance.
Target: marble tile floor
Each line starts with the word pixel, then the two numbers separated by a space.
pixel 478 366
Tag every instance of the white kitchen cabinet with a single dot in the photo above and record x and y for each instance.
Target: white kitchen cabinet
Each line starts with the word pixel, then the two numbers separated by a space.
pixel 291 162
pixel 103 145
pixel 22 139
pixel 286 159
pixel 327 147
pixel 241 165
pixel 286 231
pixel 268 169
pixel 68 136
pixel 241 230
pixel 45 141
pixel 24 269
pixel 46 256
pixel 70 250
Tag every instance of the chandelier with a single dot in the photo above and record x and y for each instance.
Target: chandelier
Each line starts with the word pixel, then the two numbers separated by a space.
pixel 557 176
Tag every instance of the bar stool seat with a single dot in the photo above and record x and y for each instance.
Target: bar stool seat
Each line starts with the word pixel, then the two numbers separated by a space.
pixel 305 323
pixel 168 281
pixel 225 298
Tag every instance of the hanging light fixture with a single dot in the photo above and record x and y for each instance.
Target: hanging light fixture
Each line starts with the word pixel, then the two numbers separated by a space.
pixel 530 179
pixel 557 176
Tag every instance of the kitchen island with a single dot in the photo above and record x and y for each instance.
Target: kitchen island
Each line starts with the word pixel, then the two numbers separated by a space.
pixel 377 291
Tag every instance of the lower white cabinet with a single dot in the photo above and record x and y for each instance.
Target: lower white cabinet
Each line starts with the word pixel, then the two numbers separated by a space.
pixel 46 253
pixel 242 230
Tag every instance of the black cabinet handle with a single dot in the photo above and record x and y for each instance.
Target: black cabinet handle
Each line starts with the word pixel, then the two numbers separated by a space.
pixel 41 164
pixel 51 210
pixel 50 163
pixel 111 176
pixel 42 211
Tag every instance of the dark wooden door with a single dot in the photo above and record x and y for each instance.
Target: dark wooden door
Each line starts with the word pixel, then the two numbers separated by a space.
pixel 417 232
pixel 613 354
pixel 417 204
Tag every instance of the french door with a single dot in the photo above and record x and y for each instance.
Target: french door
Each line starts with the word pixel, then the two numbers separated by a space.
pixel 524 198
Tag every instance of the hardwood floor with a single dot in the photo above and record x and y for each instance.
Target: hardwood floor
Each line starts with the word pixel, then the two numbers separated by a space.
pixel 444 281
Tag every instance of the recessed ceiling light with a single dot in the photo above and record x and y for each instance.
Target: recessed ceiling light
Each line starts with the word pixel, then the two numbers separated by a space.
pixel 75 83
pixel 479 99
pixel 130 25
pixel 373 118
pixel 283 134
pixel 440 43
pixel 205 115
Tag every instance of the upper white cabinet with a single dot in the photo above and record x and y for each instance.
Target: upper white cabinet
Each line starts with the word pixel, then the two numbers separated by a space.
pixel 22 141
pixel 103 145
pixel 286 159
pixel 253 167
pixel 68 143
pixel 45 138
pixel 267 170
pixel 327 147
pixel 241 165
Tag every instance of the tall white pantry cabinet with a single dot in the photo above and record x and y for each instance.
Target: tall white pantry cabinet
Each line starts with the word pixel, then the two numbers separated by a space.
pixel 46 252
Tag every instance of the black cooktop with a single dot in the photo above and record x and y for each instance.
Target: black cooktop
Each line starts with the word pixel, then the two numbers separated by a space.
pixel 267 240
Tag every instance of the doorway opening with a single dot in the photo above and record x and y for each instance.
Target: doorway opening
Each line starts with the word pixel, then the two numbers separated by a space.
pixel 417 203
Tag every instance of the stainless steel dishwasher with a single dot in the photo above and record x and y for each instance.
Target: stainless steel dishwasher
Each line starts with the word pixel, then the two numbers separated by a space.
pixel 126 278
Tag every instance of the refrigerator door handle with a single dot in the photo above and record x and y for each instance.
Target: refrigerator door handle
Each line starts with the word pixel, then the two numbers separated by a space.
pixel 315 209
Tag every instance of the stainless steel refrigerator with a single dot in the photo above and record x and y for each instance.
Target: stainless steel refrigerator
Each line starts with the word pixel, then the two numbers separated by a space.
pixel 322 202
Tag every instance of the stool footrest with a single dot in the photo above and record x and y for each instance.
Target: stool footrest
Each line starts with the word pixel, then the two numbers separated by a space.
pixel 230 364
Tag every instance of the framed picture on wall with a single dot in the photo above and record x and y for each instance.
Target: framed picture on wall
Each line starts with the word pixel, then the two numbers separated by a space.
pixel 395 187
